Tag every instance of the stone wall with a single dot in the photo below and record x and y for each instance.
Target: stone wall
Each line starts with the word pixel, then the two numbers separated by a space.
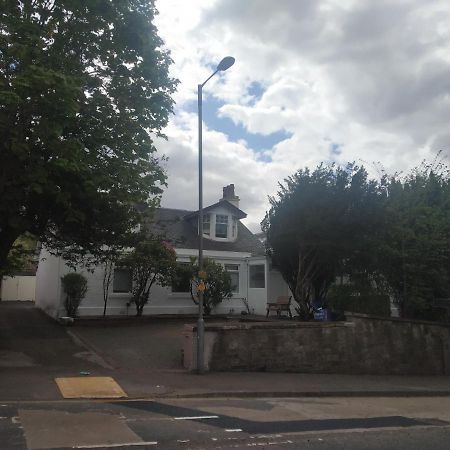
pixel 361 345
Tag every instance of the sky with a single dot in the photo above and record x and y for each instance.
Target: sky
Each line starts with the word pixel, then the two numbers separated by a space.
pixel 314 81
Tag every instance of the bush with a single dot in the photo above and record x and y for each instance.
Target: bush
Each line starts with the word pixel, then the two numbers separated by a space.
pixel 75 287
pixel 217 284
pixel 345 298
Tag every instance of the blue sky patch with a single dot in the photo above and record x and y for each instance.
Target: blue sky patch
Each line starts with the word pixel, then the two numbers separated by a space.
pixel 235 132
pixel 335 149
pixel 256 91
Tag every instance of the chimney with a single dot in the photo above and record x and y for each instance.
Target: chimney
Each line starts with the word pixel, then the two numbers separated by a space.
pixel 228 194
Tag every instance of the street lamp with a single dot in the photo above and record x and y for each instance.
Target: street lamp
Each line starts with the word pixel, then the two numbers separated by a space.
pixel 225 64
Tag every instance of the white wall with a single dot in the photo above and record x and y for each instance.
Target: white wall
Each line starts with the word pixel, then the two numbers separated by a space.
pixel 50 297
pixel 48 283
pixel 18 288
pixel 277 286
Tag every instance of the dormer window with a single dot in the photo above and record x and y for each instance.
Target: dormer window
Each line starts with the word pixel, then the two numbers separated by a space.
pixel 234 227
pixel 221 226
pixel 206 224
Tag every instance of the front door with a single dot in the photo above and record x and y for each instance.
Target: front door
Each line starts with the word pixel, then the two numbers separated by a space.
pixel 257 285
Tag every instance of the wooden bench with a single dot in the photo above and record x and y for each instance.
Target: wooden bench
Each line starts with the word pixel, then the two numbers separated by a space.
pixel 283 303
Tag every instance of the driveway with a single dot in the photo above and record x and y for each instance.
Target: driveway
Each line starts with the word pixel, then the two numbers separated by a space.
pixel 138 345
pixel 34 349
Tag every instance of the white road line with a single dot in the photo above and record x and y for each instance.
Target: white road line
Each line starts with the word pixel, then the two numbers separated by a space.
pixel 196 417
pixel 129 444
pixel 233 430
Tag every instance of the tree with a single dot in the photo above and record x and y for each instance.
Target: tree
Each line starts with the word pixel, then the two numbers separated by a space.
pixel 415 246
pixel 84 90
pixel 217 283
pixel 151 261
pixel 323 224
pixel 75 287
pixel 21 256
pixel 108 259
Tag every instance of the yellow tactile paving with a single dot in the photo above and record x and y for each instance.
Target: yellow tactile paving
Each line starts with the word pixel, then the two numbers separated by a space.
pixel 89 387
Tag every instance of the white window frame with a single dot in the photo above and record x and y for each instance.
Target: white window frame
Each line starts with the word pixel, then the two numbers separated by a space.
pixel 207 220
pixel 234 271
pixel 221 223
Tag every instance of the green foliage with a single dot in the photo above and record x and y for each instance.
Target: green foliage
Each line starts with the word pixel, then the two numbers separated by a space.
pixel 322 224
pixel 151 261
pixel 217 284
pixel 415 246
pixel 21 256
pixel 393 234
pixel 75 288
pixel 84 89
pixel 358 299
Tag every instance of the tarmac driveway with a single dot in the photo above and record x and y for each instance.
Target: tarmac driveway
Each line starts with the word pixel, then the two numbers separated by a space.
pixel 34 349
pixel 136 344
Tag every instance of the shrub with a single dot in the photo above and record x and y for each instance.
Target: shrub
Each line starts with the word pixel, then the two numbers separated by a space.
pixel 346 298
pixel 75 287
pixel 217 284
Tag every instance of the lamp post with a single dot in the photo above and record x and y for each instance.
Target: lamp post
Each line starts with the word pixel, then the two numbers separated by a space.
pixel 225 64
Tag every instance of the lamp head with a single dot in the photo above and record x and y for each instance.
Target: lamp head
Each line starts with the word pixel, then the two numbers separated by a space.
pixel 225 64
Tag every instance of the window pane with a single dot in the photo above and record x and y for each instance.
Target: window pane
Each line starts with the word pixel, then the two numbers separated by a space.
pixel 181 282
pixel 234 281
pixel 257 276
pixel 122 280
pixel 233 271
pixel 221 226
pixel 206 224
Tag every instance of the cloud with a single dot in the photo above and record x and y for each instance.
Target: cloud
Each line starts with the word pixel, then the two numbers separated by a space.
pixel 369 77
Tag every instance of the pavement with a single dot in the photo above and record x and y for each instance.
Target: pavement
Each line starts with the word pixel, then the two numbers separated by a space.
pixel 145 359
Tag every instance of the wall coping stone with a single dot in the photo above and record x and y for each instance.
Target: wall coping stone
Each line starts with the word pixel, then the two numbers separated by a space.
pixel 268 326
pixel 350 315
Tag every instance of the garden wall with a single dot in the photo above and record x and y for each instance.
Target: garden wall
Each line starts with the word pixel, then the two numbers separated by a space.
pixel 360 345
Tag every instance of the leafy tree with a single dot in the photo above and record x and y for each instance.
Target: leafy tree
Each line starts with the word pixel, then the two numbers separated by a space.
pixel 84 89
pixel 21 256
pixel 322 224
pixel 151 261
pixel 415 246
pixel 75 287
pixel 217 284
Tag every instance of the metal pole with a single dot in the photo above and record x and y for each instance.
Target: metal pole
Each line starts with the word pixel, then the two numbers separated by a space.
pixel 200 322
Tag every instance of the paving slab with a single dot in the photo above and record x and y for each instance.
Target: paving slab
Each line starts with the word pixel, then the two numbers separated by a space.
pixel 61 429
pixel 90 387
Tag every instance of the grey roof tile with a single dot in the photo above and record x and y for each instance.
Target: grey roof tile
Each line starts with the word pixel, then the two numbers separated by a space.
pixel 179 227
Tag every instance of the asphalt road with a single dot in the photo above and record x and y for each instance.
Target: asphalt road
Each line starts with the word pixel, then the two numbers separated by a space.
pixel 314 423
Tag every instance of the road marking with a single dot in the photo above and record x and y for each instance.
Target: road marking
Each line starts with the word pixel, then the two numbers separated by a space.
pixel 183 441
pixel 196 417
pixel 129 444
pixel 233 430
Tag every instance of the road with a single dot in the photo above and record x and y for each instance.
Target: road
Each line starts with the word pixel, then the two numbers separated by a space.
pixel 295 423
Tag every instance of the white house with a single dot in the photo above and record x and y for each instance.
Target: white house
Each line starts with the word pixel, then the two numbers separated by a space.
pixel 226 240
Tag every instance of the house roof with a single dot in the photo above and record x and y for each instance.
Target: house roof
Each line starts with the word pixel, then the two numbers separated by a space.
pixel 236 211
pixel 179 227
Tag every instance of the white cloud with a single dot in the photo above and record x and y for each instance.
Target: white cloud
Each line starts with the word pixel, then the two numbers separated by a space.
pixel 370 76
